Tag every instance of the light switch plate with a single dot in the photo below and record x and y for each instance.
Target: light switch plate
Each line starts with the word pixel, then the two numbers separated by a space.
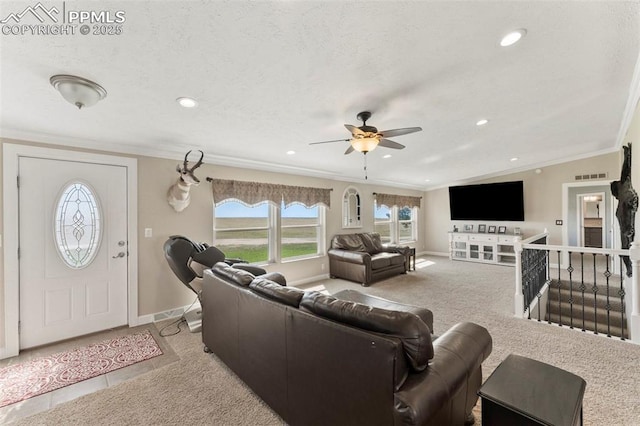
pixel 148 232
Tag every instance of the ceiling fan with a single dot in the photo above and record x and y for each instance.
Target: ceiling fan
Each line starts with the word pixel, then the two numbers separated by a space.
pixel 367 138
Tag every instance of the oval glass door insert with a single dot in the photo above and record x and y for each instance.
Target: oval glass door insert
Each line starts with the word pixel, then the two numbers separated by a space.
pixel 78 225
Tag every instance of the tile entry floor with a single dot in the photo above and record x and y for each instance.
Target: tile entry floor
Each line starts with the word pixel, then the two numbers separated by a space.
pixel 51 399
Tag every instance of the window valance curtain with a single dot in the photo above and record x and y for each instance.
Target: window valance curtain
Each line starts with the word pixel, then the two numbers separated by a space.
pixel 391 200
pixel 253 193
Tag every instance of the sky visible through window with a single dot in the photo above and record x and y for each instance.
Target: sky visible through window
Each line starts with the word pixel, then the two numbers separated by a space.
pixel 382 212
pixel 235 209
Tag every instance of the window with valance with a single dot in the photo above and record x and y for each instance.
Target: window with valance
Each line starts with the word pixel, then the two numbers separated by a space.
pixel 391 200
pixel 396 217
pixel 264 222
pixel 252 193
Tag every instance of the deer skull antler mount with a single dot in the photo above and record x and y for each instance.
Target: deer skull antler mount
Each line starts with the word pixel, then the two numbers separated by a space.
pixel 178 194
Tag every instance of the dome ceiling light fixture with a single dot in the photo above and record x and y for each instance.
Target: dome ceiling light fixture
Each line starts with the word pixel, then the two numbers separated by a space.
pixel 513 37
pixel 77 90
pixel 187 102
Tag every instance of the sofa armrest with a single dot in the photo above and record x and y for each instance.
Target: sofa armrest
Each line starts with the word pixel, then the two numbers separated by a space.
pixel 357 257
pixel 393 248
pixel 459 353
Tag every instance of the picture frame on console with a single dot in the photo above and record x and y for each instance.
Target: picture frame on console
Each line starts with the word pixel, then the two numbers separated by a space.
pixel 502 229
pixel 482 228
pixel 492 229
pixel 468 228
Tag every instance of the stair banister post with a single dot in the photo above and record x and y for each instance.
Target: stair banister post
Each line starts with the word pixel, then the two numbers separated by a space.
pixel 518 297
pixel 634 318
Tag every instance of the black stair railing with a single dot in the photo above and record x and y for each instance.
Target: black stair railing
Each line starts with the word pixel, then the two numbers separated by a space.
pixel 535 270
pixel 600 310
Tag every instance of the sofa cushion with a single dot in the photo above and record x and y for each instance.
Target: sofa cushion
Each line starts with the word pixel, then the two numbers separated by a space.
pixel 380 260
pixel 276 277
pixel 355 296
pixel 396 258
pixel 371 241
pixel 237 276
pixel 411 330
pixel 288 295
pixel 350 242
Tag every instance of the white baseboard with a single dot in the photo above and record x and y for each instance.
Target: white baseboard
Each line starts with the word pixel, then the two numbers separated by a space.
pixel 160 316
pixel 308 280
pixel 433 253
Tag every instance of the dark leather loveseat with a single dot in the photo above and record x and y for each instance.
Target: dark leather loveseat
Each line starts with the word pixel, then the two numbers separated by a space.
pixel 361 257
pixel 319 360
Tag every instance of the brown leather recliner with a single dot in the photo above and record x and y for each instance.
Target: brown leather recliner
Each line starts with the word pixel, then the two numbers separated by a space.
pixel 361 257
pixel 319 360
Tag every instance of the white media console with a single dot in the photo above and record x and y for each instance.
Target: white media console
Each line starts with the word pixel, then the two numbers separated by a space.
pixel 496 249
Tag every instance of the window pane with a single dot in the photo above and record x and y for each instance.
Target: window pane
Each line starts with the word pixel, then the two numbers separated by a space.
pixel 299 241
pixel 406 224
pixel 382 213
pixel 242 232
pixel 236 215
pixel 297 214
pixel 77 225
pixel 406 231
pixel 405 214
pixel 299 236
pixel 251 245
pixel 384 229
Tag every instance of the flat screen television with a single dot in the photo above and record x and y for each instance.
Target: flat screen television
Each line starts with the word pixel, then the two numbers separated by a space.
pixel 503 201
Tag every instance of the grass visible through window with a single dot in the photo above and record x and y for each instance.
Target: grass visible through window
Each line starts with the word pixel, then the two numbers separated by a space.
pixel 253 254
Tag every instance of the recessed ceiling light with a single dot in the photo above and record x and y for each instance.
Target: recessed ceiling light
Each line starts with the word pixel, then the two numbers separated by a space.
pixel 513 37
pixel 187 102
pixel 427 180
pixel 386 156
pixel 482 122
pixel 290 152
pixel 514 159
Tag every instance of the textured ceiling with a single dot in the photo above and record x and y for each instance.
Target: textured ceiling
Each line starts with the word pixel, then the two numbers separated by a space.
pixel 273 76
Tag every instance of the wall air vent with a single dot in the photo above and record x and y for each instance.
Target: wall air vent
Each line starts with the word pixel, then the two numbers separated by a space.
pixel 591 176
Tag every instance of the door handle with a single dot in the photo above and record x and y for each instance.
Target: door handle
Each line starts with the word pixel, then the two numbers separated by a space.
pixel 121 254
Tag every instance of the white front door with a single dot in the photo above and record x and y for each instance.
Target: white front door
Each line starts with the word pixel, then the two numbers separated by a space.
pixel 73 251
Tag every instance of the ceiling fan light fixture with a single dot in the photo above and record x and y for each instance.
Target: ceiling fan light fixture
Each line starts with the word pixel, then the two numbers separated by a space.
pixel 78 91
pixel 364 144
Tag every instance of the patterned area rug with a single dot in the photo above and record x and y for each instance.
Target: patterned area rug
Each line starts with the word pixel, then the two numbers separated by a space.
pixel 45 374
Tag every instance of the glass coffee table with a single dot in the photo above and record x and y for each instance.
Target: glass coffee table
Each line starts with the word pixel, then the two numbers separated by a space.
pixel 522 391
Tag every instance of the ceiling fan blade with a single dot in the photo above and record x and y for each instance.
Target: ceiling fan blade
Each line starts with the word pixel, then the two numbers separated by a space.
pixel 390 144
pixel 398 132
pixel 353 129
pixel 349 150
pixel 337 140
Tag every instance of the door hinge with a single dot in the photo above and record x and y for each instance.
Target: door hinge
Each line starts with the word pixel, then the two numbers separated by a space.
pixel 18 181
pixel 18 252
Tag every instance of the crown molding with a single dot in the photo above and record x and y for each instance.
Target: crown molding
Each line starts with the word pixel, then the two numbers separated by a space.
pixel 171 153
pixel 473 179
pixel 632 104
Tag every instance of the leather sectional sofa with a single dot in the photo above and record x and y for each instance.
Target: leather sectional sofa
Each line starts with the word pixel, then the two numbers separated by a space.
pixel 361 257
pixel 320 360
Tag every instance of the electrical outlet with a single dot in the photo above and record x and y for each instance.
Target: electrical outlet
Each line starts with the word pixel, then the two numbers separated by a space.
pixel 148 232
pixel 322 266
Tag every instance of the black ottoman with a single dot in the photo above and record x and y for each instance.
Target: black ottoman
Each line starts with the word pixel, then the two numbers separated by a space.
pixel 378 302
pixel 525 392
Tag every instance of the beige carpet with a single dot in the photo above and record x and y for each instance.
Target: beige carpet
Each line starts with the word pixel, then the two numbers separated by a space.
pixel 198 389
